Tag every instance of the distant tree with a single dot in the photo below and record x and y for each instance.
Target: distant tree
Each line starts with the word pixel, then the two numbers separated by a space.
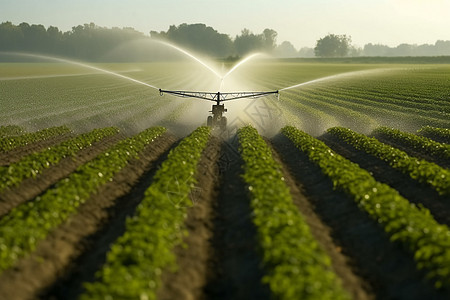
pixel 286 49
pixel 11 36
pixel 249 42
pixel 333 46
pixel 306 52
pixel 355 51
pixel 198 37
pixel 55 39
pixel 404 50
pixel 442 47
pixel 375 50
pixel 269 40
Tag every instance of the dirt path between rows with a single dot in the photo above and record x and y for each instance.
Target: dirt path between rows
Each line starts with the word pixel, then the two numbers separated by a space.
pixel 385 266
pixel 17 154
pixel 355 285
pixel 404 184
pixel 192 260
pixel 32 187
pixel 235 268
pixel 57 255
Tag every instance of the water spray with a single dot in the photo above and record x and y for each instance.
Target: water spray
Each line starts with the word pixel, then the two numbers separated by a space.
pixel 217 119
pixel 81 65
pixel 193 57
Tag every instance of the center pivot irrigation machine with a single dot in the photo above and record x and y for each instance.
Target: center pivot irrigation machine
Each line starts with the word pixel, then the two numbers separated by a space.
pixel 217 119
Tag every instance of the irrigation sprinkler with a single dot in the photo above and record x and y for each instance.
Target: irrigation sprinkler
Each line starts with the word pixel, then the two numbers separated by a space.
pixel 217 119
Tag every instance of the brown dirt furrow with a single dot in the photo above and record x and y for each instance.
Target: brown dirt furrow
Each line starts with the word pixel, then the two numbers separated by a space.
pixel 234 271
pixel 17 154
pixel 192 258
pixel 409 188
pixel 32 187
pixel 386 267
pixel 354 284
pixel 42 274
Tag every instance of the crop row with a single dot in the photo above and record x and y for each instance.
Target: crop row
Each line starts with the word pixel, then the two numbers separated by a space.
pixel 427 240
pixel 31 165
pixel 418 169
pixel 439 134
pixel 346 113
pixel 375 109
pixel 136 260
pixel 11 142
pixel 27 224
pixel 296 265
pixel 10 130
pixel 416 142
pixel 432 108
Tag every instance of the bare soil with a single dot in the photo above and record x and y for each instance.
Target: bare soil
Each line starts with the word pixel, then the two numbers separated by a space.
pixel 40 274
pixel 235 268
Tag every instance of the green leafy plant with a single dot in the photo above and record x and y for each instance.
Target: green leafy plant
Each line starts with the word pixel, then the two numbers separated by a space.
pixel 419 143
pixel 414 227
pixel 135 261
pixel 27 224
pixel 10 130
pixel 11 142
pixel 33 164
pixel 440 134
pixel 296 267
pixel 418 169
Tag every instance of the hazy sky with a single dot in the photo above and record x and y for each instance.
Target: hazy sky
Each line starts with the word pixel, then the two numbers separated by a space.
pixel 301 22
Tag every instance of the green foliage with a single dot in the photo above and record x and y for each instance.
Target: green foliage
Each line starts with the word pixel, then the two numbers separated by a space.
pixel 33 164
pixel 135 261
pixel 8 143
pixel 297 268
pixel 10 130
pixel 415 142
pixel 87 41
pixel 333 45
pixel 418 169
pixel 26 225
pixel 198 37
pixel 415 228
pixel 440 134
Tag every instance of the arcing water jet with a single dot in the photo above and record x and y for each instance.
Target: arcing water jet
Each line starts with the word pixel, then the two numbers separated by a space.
pixel 81 65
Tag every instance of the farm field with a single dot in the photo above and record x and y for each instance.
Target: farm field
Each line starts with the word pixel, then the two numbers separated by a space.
pixel 338 190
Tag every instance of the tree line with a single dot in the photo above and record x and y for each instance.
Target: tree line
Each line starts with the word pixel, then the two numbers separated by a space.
pixel 91 42
pixel 334 45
